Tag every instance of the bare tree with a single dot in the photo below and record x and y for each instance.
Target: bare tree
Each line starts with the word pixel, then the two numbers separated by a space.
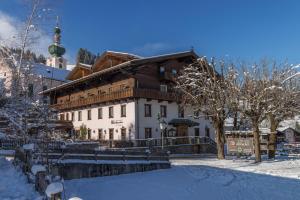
pixel 210 92
pixel 259 92
pixel 20 65
pixel 283 100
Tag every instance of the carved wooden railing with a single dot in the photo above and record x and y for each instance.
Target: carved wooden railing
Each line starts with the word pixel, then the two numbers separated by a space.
pixel 117 95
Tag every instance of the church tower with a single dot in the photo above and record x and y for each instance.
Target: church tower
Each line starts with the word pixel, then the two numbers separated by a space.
pixel 57 51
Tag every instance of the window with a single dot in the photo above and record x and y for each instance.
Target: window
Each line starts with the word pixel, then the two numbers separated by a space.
pixel 197 132
pixel 79 116
pixel 44 87
pixel 100 115
pixel 161 69
pixel 30 90
pixel 207 132
pixel 147 110
pixel 111 112
pixel 110 90
pixel 100 134
pixel 67 116
pixel 89 115
pixel 45 99
pixel 206 116
pixel 174 71
pixel 123 133
pixel 180 111
pixel 111 134
pixel 148 133
pixel 163 88
pixel 62 117
pixel 123 110
pixel 72 116
pixel 163 111
pixel 196 114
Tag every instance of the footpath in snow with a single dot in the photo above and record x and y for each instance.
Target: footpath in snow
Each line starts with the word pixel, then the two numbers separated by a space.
pixel 198 179
pixel 13 183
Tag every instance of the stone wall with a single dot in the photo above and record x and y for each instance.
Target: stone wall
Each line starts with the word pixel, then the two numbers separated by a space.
pixel 80 170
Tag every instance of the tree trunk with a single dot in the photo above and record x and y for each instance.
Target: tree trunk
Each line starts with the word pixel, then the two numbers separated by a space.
pixel 256 143
pixel 272 138
pixel 220 139
pixel 235 121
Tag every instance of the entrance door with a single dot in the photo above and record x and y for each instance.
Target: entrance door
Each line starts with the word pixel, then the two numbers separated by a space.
pixel 182 131
pixel 197 132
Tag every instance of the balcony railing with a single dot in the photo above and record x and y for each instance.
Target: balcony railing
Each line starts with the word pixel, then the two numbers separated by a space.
pixel 117 95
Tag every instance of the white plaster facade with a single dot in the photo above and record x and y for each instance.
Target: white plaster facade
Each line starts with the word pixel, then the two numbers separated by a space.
pixel 57 62
pixel 135 121
pixel 42 77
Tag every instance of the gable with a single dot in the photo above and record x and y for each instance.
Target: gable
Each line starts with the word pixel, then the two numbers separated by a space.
pixel 109 59
pixel 78 72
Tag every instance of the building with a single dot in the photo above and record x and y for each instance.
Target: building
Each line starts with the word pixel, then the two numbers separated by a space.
pixel 289 134
pixel 241 142
pixel 121 96
pixel 40 77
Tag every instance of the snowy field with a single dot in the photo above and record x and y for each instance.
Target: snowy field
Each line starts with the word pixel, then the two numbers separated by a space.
pixel 187 179
pixel 13 183
pixel 198 179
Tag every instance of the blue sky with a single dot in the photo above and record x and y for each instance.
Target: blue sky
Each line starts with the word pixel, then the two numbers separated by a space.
pixel 238 29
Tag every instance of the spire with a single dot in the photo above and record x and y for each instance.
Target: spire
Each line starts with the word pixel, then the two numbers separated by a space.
pixel 55 49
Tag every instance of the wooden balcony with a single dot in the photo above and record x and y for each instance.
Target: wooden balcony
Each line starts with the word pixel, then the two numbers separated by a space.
pixel 117 95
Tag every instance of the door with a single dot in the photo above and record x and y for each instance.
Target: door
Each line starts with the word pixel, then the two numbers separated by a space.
pixel 111 137
pixel 197 132
pixel 182 131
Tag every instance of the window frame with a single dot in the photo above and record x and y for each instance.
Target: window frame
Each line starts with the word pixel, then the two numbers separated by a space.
pixel 89 114
pixel 100 113
pixel 164 109
pixel 72 116
pixel 145 110
pixel 163 88
pixel 148 132
pixel 100 134
pixel 123 137
pixel 79 114
pixel 180 111
pixel 111 112
pixel 123 112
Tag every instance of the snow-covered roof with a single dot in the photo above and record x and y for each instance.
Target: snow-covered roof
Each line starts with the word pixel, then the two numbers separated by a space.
pixel 50 72
pixel 28 146
pixel 37 168
pixel 54 188
pixel 85 65
pixel 75 198
pixel 2 135
pixel 124 53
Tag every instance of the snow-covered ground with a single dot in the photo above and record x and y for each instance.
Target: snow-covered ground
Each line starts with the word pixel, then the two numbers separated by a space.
pixel 198 179
pixel 13 183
